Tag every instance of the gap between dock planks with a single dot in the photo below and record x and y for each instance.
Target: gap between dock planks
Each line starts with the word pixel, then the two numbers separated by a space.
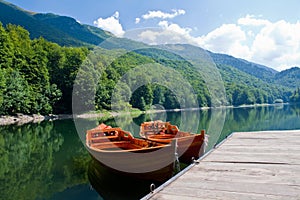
pixel 248 165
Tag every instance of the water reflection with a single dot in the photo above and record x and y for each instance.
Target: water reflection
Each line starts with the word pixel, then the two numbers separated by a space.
pixel 111 185
pixel 26 160
pixel 37 160
pixel 49 161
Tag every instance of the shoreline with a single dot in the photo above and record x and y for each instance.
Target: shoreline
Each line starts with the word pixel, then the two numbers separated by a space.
pixel 20 119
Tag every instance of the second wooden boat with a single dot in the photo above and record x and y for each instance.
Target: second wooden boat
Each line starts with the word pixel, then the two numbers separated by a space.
pixel 190 146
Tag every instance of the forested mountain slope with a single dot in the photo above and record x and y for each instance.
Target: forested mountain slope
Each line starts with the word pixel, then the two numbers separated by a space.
pixel 37 75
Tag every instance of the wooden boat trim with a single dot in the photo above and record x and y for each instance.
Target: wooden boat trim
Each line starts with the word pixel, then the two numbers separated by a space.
pixel 115 145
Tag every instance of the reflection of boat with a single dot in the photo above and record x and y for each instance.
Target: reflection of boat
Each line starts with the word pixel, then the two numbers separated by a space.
pixel 120 151
pixel 190 146
pixel 115 186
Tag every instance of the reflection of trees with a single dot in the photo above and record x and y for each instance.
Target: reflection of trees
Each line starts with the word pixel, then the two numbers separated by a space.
pixel 26 159
pixel 295 109
pixel 70 163
pixel 33 164
pixel 260 119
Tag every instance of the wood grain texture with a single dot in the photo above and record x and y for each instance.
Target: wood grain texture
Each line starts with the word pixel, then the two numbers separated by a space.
pixel 252 165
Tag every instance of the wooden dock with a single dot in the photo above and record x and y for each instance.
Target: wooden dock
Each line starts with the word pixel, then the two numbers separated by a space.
pixel 252 165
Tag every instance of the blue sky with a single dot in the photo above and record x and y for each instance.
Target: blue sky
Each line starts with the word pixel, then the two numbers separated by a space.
pixel 262 31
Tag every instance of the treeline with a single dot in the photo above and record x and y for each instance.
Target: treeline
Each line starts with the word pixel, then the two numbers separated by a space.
pixel 241 88
pixel 295 97
pixel 37 76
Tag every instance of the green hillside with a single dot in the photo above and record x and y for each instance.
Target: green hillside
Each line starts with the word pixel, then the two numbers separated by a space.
pixel 71 27
pixel 289 78
pixel 62 30
pixel 37 75
pixel 195 63
pixel 259 71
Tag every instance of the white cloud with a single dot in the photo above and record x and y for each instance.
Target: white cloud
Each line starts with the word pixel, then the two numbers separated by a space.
pixel 169 33
pixel 227 39
pixel 278 44
pixel 274 44
pixel 137 20
pixel 174 28
pixel 163 15
pixel 111 24
pixel 250 20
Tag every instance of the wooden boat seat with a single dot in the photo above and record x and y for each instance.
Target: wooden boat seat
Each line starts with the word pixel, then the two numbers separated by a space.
pixel 103 139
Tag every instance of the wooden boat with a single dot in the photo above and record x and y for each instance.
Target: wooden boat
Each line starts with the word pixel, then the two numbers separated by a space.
pixel 190 146
pixel 118 150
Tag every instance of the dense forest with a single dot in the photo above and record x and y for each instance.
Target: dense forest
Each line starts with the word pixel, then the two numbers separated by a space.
pixel 37 76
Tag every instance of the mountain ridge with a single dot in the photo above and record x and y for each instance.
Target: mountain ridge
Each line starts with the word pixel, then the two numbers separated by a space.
pixel 66 31
pixel 44 25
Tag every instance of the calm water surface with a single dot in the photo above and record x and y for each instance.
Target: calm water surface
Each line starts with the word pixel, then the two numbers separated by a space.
pixel 49 161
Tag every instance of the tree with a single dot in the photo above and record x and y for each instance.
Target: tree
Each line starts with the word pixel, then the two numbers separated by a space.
pixel 142 97
pixel 2 85
pixel 170 100
pixel 295 97
pixel 6 49
pixel 16 97
pixel 140 104
pixel 158 94
pixel 64 75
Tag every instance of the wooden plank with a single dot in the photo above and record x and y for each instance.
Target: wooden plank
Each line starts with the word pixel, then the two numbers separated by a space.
pixel 248 157
pixel 262 148
pixel 234 186
pixel 191 193
pixel 253 165
pixel 246 173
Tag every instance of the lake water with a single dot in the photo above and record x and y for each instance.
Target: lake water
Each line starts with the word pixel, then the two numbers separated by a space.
pixel 49 161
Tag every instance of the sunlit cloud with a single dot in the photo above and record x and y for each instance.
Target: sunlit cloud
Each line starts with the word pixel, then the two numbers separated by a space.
pixel 274 44
pixel 111 24
pixel 169 33
pixel 227 39
pixel 163 15
pixel 250 20
pixel 137 20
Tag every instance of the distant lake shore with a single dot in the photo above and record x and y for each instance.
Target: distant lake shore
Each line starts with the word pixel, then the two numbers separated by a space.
pixel 20 119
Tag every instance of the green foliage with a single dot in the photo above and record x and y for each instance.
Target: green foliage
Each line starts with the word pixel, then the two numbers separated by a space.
pixel 289 78
pixel 142 98
pixel 16 97
pixel 262 72
pixel 6 50
pixel 2 85
pixel 38 76
pixel 295 97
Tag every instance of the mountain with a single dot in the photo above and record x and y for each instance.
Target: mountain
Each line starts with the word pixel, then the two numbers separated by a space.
pixel 238 74
pixel 63 30
pixel 196 63
pixel 289 78
pixel 265 73
pixel 66 31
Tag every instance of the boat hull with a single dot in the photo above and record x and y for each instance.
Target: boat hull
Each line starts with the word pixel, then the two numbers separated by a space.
pixel 153 163
pixel 189 147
